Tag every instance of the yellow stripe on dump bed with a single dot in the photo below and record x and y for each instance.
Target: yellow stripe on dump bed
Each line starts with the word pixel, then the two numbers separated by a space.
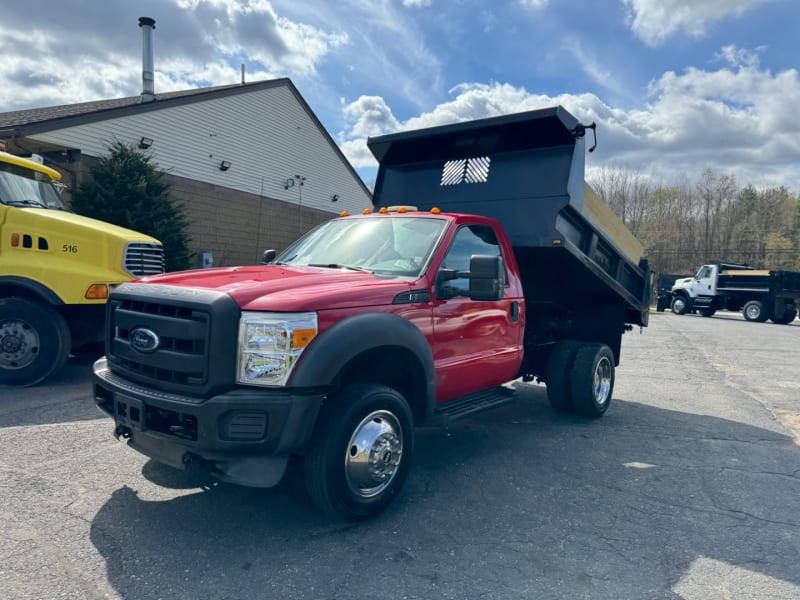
pixel 602 215
pixel 744 272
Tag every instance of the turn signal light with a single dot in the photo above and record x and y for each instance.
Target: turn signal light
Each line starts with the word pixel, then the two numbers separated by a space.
pixel 344 213
pixel 97 291
pixel 366 211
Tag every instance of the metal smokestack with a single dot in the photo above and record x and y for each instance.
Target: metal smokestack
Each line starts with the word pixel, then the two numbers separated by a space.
pixel 148 82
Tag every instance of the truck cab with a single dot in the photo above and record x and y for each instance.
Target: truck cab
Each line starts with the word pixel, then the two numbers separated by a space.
pixel 56 271
pixel 685 291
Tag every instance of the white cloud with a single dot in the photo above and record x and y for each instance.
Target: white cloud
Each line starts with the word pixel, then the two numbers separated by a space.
pixel 416 3
pixel 653 21
pixel 84 56
pixel 254 29
pixel 534 4
pixel 735 120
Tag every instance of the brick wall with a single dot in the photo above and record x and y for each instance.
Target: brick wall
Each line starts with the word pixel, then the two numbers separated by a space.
pixel 236 227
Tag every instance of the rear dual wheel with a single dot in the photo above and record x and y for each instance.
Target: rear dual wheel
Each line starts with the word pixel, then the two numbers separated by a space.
pixel 789 315
pixel 755 311
pixel 580 378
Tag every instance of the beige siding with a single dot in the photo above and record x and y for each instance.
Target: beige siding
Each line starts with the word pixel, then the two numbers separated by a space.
pixel 266 135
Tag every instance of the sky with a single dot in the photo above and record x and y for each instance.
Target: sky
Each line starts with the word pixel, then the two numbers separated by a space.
pixel 675 86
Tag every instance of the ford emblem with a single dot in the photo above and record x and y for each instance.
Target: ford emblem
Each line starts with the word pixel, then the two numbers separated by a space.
pixel 144 340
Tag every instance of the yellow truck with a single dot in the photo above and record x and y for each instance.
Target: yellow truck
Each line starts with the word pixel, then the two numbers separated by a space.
pixel 56 271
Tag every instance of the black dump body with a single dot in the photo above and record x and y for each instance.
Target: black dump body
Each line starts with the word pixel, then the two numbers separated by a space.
pixel 527 171
pixel 778 284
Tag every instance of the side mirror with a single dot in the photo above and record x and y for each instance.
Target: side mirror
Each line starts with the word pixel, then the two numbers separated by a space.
pixel 486 277
pixel 269 256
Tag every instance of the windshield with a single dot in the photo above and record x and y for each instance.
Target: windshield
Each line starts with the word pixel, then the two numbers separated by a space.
pixel 381 244
pixel 24 187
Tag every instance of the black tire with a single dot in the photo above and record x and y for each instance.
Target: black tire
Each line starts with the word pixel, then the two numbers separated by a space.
pixel 679 305
pixel 338 475
pixel 592 380
pixel 34 341
pixel 789 315
pixel 559 367
pixel 755 311
pixel 707 312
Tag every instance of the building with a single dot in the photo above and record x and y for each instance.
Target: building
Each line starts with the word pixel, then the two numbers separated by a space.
pixel 252 165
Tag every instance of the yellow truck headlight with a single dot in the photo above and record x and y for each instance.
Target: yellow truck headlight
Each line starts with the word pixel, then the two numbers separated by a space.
pixel 270 345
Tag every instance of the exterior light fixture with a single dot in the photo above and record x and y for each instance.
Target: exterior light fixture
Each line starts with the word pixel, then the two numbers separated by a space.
pixel 289 183
pixel 335 198
pixel 145 143
pixel 224 165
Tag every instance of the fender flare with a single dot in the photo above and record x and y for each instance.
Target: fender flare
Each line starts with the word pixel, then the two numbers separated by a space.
pixel 335 347
pixel 32 288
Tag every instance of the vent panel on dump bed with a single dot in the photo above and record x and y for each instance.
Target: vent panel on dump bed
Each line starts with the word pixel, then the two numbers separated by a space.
pixel 527 171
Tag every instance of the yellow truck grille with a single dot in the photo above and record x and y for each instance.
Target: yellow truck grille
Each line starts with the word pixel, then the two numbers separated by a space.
pixel 142 258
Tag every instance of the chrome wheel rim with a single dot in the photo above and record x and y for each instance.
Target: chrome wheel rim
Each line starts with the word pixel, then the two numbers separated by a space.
pixel 753 311
pixel 19 344
pixel 373 454
pixel 678 305
pixel 602 381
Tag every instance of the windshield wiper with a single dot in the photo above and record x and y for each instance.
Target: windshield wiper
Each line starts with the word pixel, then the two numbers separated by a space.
pixel 338 266
pixel 26 202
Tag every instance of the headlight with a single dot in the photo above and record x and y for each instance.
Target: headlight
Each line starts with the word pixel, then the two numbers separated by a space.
pixel 270 344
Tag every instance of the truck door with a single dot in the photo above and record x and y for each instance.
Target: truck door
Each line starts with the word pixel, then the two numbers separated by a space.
pixel 476 344
pixel 705 283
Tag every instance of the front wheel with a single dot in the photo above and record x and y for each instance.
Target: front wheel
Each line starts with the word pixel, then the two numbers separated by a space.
pixel 679 305
pixel 592 381
pixel 34 341
pixel 360 454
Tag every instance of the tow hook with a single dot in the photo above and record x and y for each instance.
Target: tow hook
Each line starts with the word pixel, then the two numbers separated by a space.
pixel 122 432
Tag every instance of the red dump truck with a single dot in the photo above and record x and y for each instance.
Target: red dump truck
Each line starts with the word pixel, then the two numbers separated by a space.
pixel 485 258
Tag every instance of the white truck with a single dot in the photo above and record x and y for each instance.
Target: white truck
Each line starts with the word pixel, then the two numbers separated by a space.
pixel 760 295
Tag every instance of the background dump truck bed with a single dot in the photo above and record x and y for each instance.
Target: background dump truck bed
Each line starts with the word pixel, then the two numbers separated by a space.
pixel 778 284
pixel 527 171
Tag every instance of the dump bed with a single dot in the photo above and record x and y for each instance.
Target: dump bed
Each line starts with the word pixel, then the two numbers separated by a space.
pixel 527 171
pixel 778 284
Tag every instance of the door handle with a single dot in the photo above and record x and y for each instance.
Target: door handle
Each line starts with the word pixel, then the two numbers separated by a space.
pixel 514 311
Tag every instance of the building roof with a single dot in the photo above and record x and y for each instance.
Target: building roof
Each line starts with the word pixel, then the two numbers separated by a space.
pixel 67 115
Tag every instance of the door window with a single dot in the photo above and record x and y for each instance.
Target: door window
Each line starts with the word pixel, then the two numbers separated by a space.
pixel 469 240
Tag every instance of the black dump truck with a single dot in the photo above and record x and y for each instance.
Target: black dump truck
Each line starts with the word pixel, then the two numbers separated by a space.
pixel 759 294
pixel 485 258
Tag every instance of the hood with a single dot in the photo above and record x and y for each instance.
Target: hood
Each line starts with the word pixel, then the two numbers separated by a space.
pixel 286 288
pixel 60 216
pixel 682 283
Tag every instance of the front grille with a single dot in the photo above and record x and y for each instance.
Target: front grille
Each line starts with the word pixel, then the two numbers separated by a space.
pixel 183 338
pixel 194 334
pixel 143 258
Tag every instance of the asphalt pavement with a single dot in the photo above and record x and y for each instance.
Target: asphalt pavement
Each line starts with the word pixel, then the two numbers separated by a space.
pixel 689 487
